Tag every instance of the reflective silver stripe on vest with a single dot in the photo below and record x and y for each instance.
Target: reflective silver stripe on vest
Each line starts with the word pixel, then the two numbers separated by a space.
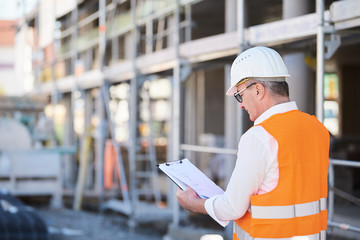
pixel 291 211
pixel 242 235
pixel 323 204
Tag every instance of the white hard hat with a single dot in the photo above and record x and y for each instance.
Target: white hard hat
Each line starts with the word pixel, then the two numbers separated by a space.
pixel 256 62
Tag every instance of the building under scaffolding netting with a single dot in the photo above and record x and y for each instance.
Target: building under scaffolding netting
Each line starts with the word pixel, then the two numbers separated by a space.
pixel 134 83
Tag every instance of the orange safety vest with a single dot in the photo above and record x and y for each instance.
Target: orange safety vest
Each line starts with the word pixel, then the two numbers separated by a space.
pixel 297 206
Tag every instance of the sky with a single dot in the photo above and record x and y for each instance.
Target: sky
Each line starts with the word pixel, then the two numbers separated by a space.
pixel 12 9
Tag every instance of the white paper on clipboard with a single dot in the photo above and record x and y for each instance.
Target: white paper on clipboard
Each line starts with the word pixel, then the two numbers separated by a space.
pixel 183 173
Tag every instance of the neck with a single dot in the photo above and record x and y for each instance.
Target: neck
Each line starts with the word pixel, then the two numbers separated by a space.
pixel 272 101
pixel 280 100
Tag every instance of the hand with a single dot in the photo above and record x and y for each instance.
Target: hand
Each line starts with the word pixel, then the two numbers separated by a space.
pixel 189 200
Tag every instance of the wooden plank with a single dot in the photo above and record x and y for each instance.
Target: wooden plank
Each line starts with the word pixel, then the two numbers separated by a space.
pixel 344 10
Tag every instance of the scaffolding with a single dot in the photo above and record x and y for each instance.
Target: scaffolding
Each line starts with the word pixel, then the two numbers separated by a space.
pixel 170 51
pixel 336 191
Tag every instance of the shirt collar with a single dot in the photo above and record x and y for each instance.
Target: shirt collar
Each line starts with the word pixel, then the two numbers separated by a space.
pixel 279 108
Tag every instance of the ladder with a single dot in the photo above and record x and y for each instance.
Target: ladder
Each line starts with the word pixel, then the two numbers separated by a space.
pixel 146 175
pixel 144 182
pixel 124 206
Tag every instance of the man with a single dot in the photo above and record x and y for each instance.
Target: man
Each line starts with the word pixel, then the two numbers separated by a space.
pixel 278 188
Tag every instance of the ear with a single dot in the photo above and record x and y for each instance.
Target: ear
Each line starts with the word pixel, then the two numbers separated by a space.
pixel 260 91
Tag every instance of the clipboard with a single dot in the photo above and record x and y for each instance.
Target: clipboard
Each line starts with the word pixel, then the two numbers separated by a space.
pixel 183 173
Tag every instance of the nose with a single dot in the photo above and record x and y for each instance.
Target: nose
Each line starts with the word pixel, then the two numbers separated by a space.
pixel 241 105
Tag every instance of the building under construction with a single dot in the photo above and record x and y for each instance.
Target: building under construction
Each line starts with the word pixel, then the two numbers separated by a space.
pixel 134 83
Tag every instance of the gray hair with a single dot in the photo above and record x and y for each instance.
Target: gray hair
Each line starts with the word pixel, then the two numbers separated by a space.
pixel 276 85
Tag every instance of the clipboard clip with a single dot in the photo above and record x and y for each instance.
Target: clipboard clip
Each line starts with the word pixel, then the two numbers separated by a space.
pixel 168 164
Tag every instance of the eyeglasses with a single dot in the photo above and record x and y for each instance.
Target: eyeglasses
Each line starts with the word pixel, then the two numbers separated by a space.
pixel 237 95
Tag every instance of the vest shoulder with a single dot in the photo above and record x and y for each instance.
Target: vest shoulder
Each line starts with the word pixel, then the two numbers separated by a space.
pixel 295 119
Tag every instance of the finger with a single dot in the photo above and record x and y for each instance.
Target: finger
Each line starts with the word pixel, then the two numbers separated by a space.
pixel 179 193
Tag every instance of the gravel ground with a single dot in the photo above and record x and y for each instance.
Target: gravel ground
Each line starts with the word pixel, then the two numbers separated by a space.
pixel 66 224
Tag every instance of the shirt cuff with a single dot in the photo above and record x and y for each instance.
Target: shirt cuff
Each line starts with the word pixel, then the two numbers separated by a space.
pixel 209 207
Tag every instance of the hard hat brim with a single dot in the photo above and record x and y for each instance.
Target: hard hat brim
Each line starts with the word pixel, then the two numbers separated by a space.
pixel 232 89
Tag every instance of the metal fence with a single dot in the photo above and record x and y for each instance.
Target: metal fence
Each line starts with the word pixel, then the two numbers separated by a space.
pixel 336 191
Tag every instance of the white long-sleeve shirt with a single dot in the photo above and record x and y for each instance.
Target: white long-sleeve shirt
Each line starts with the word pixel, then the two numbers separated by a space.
pixel 256 170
